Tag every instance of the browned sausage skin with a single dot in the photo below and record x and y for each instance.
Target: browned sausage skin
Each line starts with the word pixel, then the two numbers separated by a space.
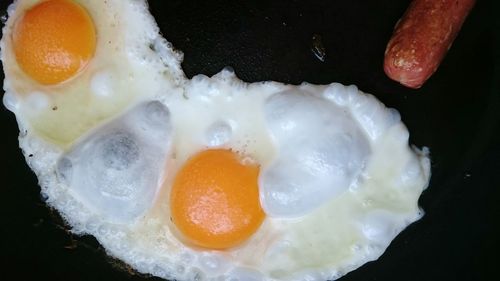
pixel 422 37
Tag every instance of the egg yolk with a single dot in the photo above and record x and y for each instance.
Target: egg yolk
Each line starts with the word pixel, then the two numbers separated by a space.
pixel 215 199
pixel 54 40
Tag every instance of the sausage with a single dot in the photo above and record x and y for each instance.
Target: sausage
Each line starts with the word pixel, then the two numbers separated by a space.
pixel 421 39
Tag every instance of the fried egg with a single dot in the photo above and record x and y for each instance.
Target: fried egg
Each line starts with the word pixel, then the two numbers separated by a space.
pixel 72 64
pixel 210 178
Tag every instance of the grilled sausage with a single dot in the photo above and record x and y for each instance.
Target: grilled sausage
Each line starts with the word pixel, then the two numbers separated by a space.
pixel 421 39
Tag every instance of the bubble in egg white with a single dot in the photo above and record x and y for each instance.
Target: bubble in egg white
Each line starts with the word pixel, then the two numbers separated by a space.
pixel 10 101
pixel 213 264
pixel 340 94
pixel 322 152
pixel 116 168
pixel 379 225
pixel 218 134
pixel 102 84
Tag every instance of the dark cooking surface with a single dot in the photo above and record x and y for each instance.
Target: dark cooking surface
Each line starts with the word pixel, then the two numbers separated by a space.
pixel 456 114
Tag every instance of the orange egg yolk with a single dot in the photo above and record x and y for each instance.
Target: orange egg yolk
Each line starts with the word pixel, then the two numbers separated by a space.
pixel 215 200
pixel 54 40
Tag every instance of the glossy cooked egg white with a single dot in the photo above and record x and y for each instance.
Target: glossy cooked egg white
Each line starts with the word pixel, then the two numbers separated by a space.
pixel 211 178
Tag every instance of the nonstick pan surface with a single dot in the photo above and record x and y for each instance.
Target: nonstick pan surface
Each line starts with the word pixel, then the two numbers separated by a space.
pixel 456 114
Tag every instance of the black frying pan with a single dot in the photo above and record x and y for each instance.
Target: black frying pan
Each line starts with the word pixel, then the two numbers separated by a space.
pixel 456 113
